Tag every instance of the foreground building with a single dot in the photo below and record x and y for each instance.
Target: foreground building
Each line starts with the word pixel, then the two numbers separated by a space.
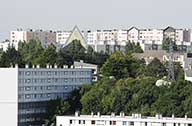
pixel 25 92
pixel 122 120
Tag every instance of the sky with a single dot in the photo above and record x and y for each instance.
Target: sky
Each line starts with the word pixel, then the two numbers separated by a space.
pixel 93 14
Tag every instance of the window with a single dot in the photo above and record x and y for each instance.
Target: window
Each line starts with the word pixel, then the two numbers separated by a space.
pixel 145 123
pixel 27 96
pixel 71 122
pixel 114 122
pixel 28 81
pixel 27 73
pixel 124 123
pixel 27 88
pixel 131 123
pixel 92 121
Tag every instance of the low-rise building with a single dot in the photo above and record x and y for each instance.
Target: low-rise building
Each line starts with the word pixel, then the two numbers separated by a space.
pixel 94 67
pixel 121 120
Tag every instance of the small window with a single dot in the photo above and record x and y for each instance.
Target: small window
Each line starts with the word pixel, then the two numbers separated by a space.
pixel 114 122
pixel 124 123
pixel 132 123
pixel 71 122
pixel 92 121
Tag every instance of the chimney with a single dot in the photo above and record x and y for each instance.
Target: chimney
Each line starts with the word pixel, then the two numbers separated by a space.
pixel 158 116
pixel 185 116
pixel 112 114
pixel 77 114
pixel 173 116
pixel 16 65
pixel 38 66
pixel 122 114
pixel 98 114
pixel 26 66
pixel 92 114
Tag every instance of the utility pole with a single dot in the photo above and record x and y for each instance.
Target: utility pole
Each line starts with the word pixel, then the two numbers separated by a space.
pixel 171 75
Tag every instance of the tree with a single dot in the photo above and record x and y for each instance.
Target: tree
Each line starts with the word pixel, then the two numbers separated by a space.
pixel 167 42
pixel 155 69
pixel 119 66
pixel 10 57
pixel 49 56
pixel 115 66
pixel 133 48
pixel 55 108
pixel 76 50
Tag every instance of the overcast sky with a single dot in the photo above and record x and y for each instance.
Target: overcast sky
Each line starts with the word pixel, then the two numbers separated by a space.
pixel 93 14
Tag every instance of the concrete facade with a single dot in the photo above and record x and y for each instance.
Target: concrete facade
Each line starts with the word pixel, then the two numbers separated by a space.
pixel 26 91
pixel 121 120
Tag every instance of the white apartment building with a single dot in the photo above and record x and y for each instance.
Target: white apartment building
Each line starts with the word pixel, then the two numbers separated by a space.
pixel 179 36
pixel 24 92
pixel 121 120
pixel 17 36
pixel 151 36
pixel 45 37
pixel 92 37
pixel 62 36
pixel 133 34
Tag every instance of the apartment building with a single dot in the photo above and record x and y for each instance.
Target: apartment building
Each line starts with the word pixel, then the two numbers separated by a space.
pixel 121 120
pixel 133 34
pixel 24 97
pixel 151 36
pixel 45 37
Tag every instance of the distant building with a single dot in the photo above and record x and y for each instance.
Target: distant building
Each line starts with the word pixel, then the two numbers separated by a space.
pixel 45 37
pixel 187 35
pixel 174 34
pixel 133 34
pixel 151 36
pixel 76 35
pixel 62 36
pixel 162 55
pixel 94 67
pixel 121 120
pixel 24 92
pixel 169 32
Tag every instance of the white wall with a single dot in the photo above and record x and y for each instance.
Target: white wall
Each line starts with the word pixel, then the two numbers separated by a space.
pixel 8 96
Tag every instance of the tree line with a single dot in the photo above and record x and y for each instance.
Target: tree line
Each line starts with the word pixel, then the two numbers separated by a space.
pixel 32 53
pixel 129 85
